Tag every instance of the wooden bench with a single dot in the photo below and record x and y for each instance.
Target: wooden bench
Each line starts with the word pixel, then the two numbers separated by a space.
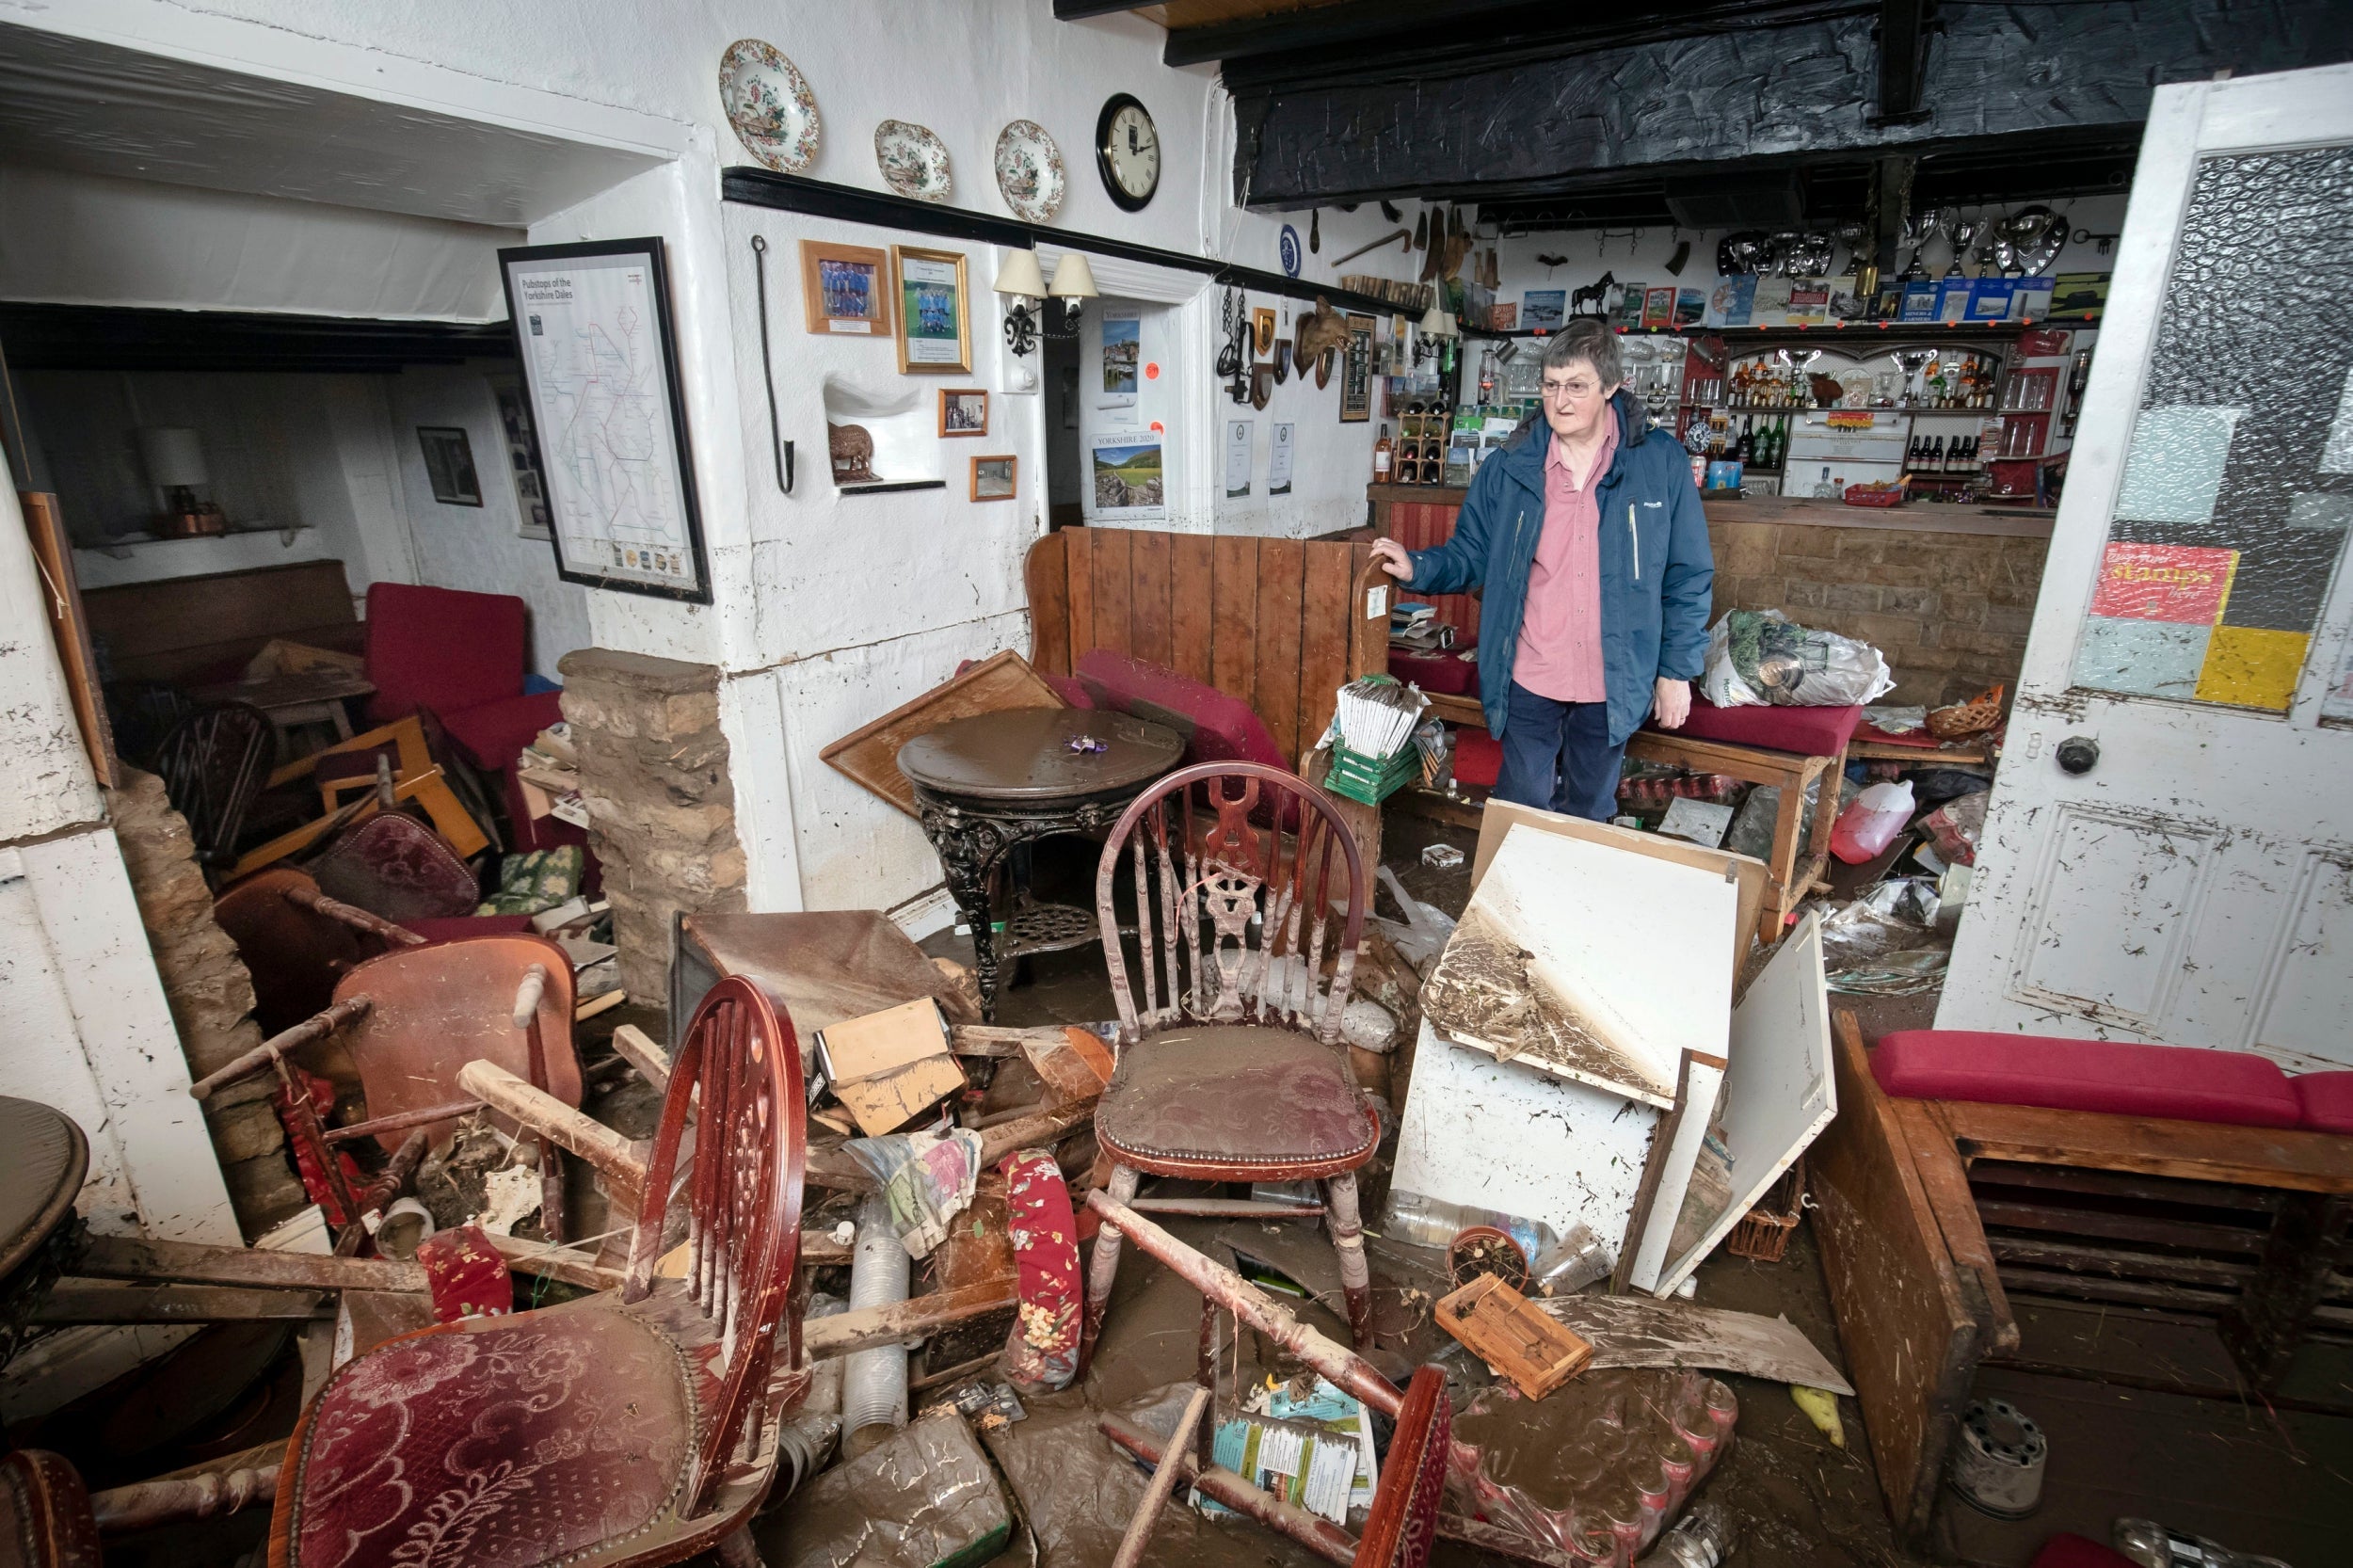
pixel 1920 1292
pixel 191 629
pixel 1282 624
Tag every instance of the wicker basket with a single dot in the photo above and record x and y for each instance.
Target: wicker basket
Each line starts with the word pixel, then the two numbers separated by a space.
pixel 1763 1232
pixel 1960 720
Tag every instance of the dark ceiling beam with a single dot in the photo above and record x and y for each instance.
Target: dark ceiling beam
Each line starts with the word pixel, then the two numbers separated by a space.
pixel 1078 11
pixel 1520 36
pixel 1801 89
pixel 115 338
pixel 1322 27
pixel 1903 45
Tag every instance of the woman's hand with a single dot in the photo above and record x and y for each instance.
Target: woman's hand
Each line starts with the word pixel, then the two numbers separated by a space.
pixel 1393 559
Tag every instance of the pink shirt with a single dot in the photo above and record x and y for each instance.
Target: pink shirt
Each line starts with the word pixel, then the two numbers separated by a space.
pixel 1559 650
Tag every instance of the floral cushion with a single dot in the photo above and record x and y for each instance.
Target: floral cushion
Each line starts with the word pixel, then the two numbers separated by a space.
pixel 1233 1094
pixel 494 1442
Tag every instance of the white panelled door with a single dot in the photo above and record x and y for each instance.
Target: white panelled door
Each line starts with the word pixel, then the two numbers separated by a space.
pixel 2169 851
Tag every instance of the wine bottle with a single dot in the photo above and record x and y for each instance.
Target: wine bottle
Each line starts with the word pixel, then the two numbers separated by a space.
pixel 1383 457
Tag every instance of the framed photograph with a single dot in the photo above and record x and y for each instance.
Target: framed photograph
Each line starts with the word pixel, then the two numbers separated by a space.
pixel 1544 310
pixel 1356 373
pixel 1262 330
pixel 846 290
pixel 935 325
pixel 449 465
pixel 522 459
pixel 962 411
pixel 607 417
pixel 994 478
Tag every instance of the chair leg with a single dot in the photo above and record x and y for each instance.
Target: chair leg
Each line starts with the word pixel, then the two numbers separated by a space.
pixel 1347 1238
pixel 736 1549
pixel 1104 1266
pixel 1205 1444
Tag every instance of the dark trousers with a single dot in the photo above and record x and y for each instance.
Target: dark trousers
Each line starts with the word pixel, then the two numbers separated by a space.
pixel 1557 757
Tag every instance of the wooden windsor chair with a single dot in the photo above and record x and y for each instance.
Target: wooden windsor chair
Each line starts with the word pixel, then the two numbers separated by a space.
pixel 297 942
pixel 1230 1066
pixel 629 1428
pixel 403 1023
pixel 214 763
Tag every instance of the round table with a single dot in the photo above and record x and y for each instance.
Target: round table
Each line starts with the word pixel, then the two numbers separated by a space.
pixel 44 1156
pixel 986 784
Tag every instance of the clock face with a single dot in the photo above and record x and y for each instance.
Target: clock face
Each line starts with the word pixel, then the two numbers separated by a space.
pixel 1128 152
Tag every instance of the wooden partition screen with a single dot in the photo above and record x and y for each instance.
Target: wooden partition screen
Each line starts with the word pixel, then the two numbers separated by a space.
pixel 1421 517
pixel 1282 624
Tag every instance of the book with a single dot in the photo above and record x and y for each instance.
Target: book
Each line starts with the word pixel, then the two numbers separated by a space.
pixel 1627 312
pixel 1690 307
pixel 1659 306
pixel 1920 299
pixel 1730 301
pixel 1544 309
pixel 1989 299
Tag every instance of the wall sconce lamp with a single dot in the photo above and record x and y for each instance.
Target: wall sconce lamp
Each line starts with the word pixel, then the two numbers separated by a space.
pixel 1074 283
pixel 1020 279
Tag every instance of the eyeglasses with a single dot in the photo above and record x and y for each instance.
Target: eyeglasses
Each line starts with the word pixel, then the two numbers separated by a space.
pixel 1570 392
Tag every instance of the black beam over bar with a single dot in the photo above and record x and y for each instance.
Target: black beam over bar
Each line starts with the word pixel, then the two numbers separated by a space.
pixel 794 193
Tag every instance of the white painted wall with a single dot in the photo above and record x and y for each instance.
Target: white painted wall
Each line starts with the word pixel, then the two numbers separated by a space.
pixel 480 548
pixel 136 242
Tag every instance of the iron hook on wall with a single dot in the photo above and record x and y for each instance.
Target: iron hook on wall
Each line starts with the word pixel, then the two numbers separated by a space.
pixel 767 371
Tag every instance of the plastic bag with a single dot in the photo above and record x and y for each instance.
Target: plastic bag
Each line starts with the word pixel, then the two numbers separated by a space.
pixel 1870 824
pixel 1762 656
pixel 927 1179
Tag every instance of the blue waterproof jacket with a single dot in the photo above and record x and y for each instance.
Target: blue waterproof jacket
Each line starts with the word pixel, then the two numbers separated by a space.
pixel 1657 570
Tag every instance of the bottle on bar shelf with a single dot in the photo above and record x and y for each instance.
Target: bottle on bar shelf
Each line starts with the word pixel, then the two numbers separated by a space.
pixel 1383 457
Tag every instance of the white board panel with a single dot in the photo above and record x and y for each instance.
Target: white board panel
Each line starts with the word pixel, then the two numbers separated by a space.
pixel 1703 1086
pixel 1577 958
pixel 1778 1093
pixel 1501 1135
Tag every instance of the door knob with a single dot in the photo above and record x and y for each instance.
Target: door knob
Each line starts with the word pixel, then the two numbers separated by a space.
pixel 2078 754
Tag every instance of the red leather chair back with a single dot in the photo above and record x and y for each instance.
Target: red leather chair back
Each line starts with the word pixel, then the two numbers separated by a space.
pixel 442 649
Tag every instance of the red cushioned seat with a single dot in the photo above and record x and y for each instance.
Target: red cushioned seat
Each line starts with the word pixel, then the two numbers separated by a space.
pixel 442 649
pixel 2179 1081
pixel 491 734
pixel 2076 1551
pixel 1233 1095
pixel 1217 728
pixel 459 928
pixel 1435 672
pixel 2325 1100
pixel 1807 731
pixel 500 1442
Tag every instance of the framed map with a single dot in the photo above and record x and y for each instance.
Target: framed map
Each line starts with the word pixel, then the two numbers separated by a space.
pixel 608 424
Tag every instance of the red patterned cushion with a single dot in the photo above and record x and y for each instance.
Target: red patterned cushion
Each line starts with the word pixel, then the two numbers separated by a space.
pixel 442 649
pixel 1042 1347
pixel 2126 1079
pixel 496 1441
pixel 1217 728
pixel 465 1274
pixel 2324 1100
pixel 1435 672
pixel 1233 1094
pixel 1807 731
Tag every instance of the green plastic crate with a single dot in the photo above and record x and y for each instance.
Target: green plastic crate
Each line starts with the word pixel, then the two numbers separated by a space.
pixel 1370 780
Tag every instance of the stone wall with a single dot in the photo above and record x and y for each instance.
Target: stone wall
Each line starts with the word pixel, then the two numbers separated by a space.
pixel 653 772
pixel 210 997
pixel 1947 599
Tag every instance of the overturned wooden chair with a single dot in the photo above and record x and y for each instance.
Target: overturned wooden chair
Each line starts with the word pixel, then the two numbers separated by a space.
pixel 403 1023
pixel 636 1427
pixel 297 942
pixel 1230 1066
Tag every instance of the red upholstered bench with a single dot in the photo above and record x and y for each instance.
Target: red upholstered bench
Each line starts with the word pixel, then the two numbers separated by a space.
pixel 1792 748
pixel 1216 727
pixel 2117 1077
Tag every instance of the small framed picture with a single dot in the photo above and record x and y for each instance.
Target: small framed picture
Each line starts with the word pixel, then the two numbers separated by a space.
pixel 1262 330
pixel 993 478
pixel 962 411
pixel 934 329
pixel 449 464
pixel 846 289
pixel 1356 373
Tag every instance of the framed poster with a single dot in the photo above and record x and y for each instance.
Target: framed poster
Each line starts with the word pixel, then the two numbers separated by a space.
pixel 608 418
pixel 1278 461
pixel 846 290
pixel 934 331
pixel 449 465
pixel 1127 475
pixel 1356 373
pixel 1237 458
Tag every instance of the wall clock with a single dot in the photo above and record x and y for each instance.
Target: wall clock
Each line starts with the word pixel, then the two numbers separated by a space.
pixel 1128 152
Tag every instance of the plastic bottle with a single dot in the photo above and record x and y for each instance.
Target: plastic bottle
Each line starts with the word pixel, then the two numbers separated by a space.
pixel 1701 1539
pixel 1560 1263
pixel 1871 823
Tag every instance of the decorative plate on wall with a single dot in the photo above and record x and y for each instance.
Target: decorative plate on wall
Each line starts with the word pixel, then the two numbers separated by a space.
pixel 1029 171
pixel 914 161
pixel 769 103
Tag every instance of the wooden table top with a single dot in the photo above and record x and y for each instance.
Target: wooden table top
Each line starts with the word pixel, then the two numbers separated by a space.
pixel 44 1156
pixel 291 691
pixel 1024 756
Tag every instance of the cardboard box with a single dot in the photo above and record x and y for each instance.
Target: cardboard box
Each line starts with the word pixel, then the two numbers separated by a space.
pixel 887 1069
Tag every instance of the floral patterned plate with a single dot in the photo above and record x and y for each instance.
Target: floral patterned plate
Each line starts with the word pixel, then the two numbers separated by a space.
pixel 769 103
pixel 914 162
pixel 1029 171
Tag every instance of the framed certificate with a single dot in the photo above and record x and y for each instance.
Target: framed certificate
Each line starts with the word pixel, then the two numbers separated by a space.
pixel 608 422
